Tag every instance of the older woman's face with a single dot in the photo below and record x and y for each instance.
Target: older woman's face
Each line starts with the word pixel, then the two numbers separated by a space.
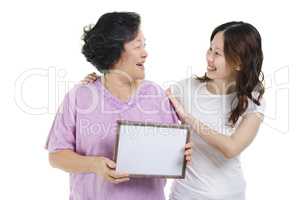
pixel 133 58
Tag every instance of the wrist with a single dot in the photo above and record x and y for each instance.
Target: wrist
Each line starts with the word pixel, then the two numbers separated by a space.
pixel 187 118
pixel 94 163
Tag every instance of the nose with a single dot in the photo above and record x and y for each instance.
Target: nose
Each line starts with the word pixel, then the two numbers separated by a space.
pixel 144 54
pixel 210 57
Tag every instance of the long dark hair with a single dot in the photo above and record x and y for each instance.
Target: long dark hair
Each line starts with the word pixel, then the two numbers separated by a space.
pixel 242 47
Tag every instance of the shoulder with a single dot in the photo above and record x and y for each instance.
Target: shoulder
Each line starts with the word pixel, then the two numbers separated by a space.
pixel 148 87
pixel 83 91
pixel 81 96
pixel 254 107
pixel 185 85
pixel 187 81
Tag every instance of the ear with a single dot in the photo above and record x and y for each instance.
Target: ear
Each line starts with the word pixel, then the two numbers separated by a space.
pixel 237 68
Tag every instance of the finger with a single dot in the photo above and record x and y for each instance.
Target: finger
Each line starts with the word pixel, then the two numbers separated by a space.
pixel 170 95
pixel 116 175
pixel 168 92
pixel 90 79
pixel 188 158
pixel 188 153
pixel 93 77
pixel 84 82
pixel 109 178
pixel 113 179
pixel 119 175
pixel 110 163
pixel 189 145
pixel 174 101
pixel 121 180
pixel 93 74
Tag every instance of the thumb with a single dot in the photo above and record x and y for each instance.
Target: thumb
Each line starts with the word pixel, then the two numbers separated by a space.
pixel 168 92
pixel 110 163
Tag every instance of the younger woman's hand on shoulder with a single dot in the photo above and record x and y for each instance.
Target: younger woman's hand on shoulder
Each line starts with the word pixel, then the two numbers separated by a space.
pixel 90 78
pixel 182 114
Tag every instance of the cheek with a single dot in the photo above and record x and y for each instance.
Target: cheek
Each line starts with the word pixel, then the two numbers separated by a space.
pixel 222 68
pixel 133 58
pixel 220 64
pixel 227 71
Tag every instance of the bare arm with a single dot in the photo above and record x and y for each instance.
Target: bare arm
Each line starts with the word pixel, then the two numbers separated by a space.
pixel 229 146
pixel 72 162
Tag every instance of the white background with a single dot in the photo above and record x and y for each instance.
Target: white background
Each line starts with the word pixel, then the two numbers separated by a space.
pixel 40 52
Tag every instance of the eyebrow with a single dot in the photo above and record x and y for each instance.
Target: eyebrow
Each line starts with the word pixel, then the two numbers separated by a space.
pixel 139 40
pixel 217 48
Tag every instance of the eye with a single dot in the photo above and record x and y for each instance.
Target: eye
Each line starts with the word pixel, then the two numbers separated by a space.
pixel 141 46
pixel 218 54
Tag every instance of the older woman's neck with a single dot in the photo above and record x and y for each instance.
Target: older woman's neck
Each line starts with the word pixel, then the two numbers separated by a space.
pixel 119 79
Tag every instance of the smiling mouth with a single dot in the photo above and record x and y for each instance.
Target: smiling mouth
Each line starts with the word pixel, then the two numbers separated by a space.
pixel 140 65
pixel 211 68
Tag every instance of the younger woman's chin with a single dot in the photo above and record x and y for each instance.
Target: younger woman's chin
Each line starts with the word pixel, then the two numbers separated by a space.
pixel 210 75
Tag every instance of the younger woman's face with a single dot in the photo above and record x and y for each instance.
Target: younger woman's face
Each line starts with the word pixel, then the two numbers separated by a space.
pixel 218 68
pixel 133 58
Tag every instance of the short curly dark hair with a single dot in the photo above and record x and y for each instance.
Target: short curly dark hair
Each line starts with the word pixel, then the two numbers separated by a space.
pixel 104 42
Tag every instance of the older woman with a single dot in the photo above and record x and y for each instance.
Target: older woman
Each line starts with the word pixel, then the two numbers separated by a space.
pixel 81 140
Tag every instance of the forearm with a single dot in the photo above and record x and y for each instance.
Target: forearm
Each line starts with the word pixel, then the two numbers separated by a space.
pixel 220 142
pixel 72 162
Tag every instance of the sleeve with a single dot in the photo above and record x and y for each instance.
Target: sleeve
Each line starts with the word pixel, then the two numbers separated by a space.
pixel 62 132
pixel 254 108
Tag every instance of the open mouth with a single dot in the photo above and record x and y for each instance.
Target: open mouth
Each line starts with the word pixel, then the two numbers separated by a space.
pixel 210 68
pixel 140 65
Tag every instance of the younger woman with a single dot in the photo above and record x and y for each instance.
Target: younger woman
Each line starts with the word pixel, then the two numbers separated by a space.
pixel 224 109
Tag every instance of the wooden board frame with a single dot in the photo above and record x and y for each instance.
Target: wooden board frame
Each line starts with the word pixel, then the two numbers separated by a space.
pixel 155 125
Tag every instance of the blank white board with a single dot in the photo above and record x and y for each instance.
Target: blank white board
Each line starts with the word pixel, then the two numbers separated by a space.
pixel 149 149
